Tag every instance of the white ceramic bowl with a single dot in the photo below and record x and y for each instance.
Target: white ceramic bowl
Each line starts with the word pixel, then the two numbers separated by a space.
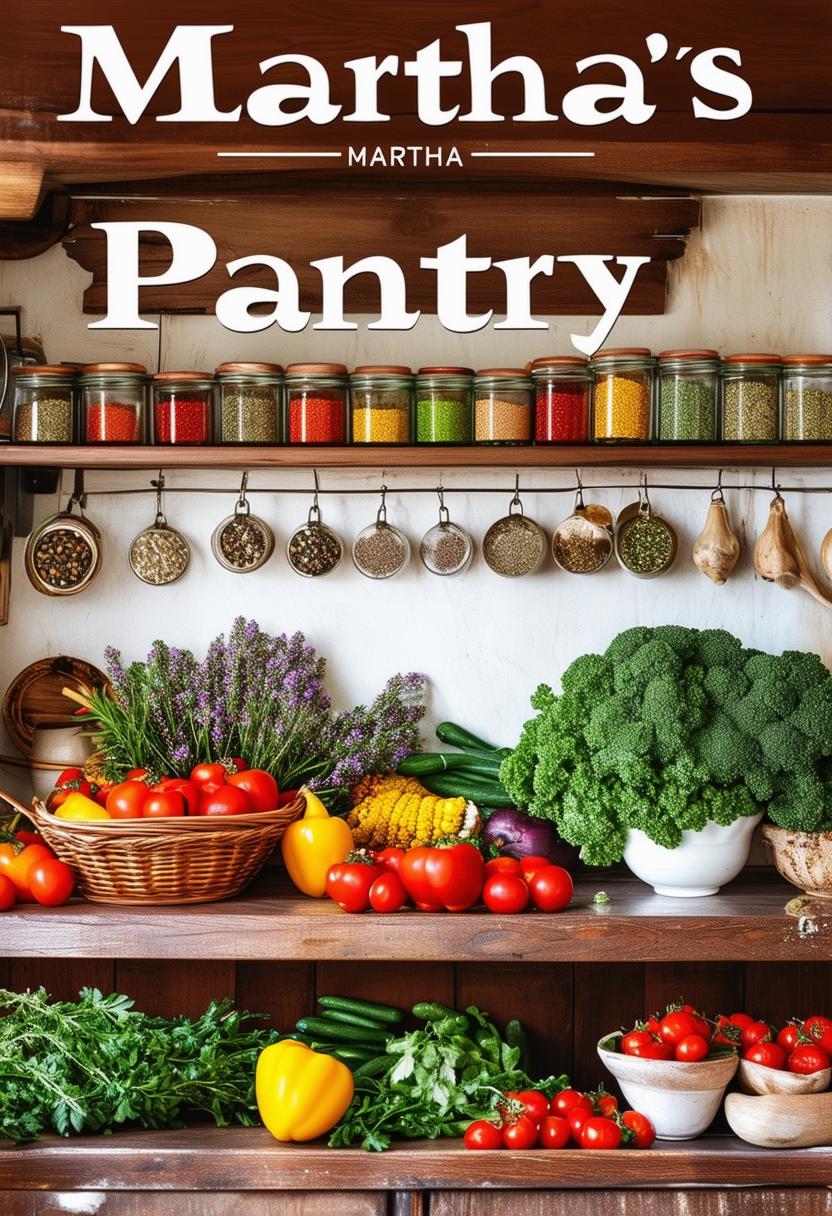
pixel 757 1079
pixel 680 1100
pixel 703 862
pixel 781 1120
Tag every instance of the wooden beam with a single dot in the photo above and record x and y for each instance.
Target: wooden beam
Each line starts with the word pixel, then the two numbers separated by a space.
pixel 21 182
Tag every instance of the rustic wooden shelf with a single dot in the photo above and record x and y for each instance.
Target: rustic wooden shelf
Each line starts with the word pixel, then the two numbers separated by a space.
pixel 748 921
pixel 555 456
pixel 248 1159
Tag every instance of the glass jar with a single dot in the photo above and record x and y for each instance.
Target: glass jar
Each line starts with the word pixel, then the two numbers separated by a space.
pixel 113 402
pixel 622 396
pixel 687 396
pixel 444 400
pixel 381 404
pixel 751 398
pixel 182 407
pixel 44 404
pixel 251 401
pixel 502 406
pixel 316 403
pixel 561 407
pixel 807 399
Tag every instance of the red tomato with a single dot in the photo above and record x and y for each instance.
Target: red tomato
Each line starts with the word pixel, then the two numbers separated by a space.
pixel 348 883
pixel 522 1133
pixel 51 881
pixel 505 894
pixel 741 1019
pixel 238 764
pixel 208 774
pixel 553 1132
pixel 576 1119
pixel 599 1132
pixel 390 858
pixel 691 1049
pixel 71 779
pixel 567 1100
pixel 651 1025
pixel 68 777
pixel 449 878
pixel 136 774
pixel 29 837
pixel 788 1037
pixel 530 865
pixel 8 895
pixel 165 805
pixel 646 1046
pixel 634 1040
pixel 551 888
pixel 186 789
pixel 101 794
pixel 126 800
pixel 287 796
pixel 15 866
pixel 678 1024
pixel 819 1030
pixel 757 1032
pixel 225 800
pixel 503 865
pixel 807 1058
pixel 261 787
pixel 482 1134
pixel 387 894
pixel 771 1055
pixel 644 1133
pixel 535 1104
pixel 607 1104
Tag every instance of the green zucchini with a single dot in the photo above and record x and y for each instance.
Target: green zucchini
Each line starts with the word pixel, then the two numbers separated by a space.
pixel 458 736
pixel 341 1016
pixel 342 1034
pixel 366 1009
pixel 439 762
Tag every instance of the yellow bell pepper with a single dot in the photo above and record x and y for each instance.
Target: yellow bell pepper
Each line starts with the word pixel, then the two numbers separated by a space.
pixel 78 806
pixel 301 1094
pixel 312 844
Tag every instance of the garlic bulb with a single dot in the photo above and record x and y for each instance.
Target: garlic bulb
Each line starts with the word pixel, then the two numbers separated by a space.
pixel 716 549
pixel 779 557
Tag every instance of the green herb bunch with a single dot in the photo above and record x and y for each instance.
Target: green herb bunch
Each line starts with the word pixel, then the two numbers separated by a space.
pixel 97 1063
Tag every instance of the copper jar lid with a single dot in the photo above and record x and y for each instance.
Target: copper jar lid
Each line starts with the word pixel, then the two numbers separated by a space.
pixel 316 369
pixel 168 377
pixel 249 369
pixel 40 369
pixel 688 354
pixel 95 369
pixel 445 371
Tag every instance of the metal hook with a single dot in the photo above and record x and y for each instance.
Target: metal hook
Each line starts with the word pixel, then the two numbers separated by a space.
pixel 241 501
pixel 444 513
pixel 79 494
pixel 516 500
pixel 774 484
pixel 159 487
pixel 718 494
pixel 579 491
pixel 642 489
pixel 381 517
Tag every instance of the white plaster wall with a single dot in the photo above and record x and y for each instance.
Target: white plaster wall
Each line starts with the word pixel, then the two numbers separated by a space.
pixel 756 276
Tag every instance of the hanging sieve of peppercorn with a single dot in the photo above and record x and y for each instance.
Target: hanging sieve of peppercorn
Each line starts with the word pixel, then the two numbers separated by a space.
pixel 63 554
pixel 313 549
pixel 514 545
pixel 645 543
pixel 159 555
pixel 380 551
pixel 583 543
pixel 446 548
pixel 242 542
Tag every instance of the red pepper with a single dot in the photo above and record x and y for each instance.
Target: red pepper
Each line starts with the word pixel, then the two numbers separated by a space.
pixel 349 882
pixel 446 877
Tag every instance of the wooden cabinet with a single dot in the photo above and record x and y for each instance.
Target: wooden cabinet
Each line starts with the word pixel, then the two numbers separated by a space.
pixel 751 1202
pixel 200 1203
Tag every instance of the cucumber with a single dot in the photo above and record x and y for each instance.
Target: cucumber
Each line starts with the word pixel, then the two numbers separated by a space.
pixel 365 1009
pixel 353 1019
pixel 352 1057
pixel 440 762
pixel 373 1067
pixel 458 736
pixel 479 791
pixel 322 1029
pixel 432 1011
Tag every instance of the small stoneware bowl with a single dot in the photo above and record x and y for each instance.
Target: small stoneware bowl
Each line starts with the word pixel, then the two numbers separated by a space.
pixel 803 858
pixel 757 1079
pixel 680 1100
pixel 781 1120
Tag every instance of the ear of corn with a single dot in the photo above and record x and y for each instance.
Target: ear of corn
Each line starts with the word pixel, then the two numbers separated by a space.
pixel 391 811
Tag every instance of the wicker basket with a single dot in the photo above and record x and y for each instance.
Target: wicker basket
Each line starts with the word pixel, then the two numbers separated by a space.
pixel 163 861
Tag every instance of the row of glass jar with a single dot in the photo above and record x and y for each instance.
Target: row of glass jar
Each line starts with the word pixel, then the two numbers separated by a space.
pixel 618 396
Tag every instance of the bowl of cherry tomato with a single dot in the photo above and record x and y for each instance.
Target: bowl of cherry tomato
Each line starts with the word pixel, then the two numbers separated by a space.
pixel 794 1060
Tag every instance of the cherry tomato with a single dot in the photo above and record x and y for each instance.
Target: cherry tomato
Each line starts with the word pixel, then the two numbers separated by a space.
pixel 503 865
pixel 387 894
pixel 633 1040
pixel 599 1132
pixel 390 858
pixel 788 1037
pixel 644 1133
pixel 807 1058
pixel 535 1104
pixel 482 1134
pixel 165 805
pixel 349 883
pixel 225 800
pixel 553 1132
pixel 186 789
pixel 819 1030
pixel 505 893
pixel 260 786
pixel 607 1104
pixel 15 866
pixel 678 1024
pixel 51 881
pixel 238 764
pixel 576 1119
pixel 771 1055
pixel 741 1019
pixel 691 1049
pixel 522 1133
pixel 567 1100
pixel 530 865
pixel 645 1045
pixel 208 774
pixel 126 800
pixel 8 895
pixel 757 1032
pixel 551 888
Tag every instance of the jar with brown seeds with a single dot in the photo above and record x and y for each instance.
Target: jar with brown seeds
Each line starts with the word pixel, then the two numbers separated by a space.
pixel 807 399
pixel 313 549
pixel 502 406
pixel 583 543
pixel 514 546
pixel 751 398
pixel 251 402
pixel 44 404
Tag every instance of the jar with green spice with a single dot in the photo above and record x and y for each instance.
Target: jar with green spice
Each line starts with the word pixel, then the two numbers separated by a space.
pixel 751 398
pixel 44 404
pixel 807 399
pixel 687 397
pixel 381 404
pixel 444 405
pixel 251 402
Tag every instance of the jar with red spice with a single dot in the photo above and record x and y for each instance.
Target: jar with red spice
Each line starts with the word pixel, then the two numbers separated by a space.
pixel 316 403
pixel 113 402
pixel 183 404
pixel 561 399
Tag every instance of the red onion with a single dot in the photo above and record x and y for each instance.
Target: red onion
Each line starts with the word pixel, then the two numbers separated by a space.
pixel 516 834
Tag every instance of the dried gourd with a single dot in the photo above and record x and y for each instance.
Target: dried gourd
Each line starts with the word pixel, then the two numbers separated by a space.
pixel 779 556
pixel 716 549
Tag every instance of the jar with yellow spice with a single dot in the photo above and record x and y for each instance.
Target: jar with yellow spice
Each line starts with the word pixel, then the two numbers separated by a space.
pixel 381 406
pixel 502 406
pixel 622 396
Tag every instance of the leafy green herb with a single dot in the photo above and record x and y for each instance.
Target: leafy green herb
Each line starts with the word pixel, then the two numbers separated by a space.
pixel 600 897
pixel 94 1064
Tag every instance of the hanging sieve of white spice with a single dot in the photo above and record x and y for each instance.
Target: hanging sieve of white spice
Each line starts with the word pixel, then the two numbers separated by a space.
pixel 159 555
pixel 242 542
pixel 313 549
pixel 446 548
pixel 514 545
pixel 380 551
